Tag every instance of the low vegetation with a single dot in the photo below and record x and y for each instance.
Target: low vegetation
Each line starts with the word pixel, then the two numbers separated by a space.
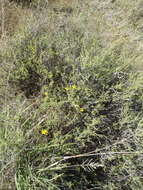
pixel 71 98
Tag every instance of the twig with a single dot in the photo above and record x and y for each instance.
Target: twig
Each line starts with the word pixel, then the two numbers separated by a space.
pixel 99 154
pixel 88 155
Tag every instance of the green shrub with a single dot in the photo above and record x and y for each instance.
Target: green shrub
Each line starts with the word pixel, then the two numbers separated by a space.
pixel 79 120
pixel 87 101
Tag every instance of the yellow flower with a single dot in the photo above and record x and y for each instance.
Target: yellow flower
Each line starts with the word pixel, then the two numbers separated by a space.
pixel 45 93
pixel 81 109
pixel 67 88
pixel 44 132
pixel 74 86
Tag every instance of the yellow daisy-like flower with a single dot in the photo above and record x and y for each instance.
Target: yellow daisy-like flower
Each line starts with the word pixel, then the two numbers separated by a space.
pixel 81 109
pixel 45 93
pixel 74 86
pixel 67 88
pixel 44 132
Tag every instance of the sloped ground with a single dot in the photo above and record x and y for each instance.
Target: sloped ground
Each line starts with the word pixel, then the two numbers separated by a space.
pixel 71 96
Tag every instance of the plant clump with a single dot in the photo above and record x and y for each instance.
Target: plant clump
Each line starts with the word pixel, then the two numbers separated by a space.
pixel 75 121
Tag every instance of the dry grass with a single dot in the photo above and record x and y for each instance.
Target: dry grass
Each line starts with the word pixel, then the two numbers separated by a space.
pixel 12 18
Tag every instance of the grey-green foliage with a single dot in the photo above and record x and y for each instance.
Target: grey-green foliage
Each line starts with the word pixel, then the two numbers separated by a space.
pixel 109 93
